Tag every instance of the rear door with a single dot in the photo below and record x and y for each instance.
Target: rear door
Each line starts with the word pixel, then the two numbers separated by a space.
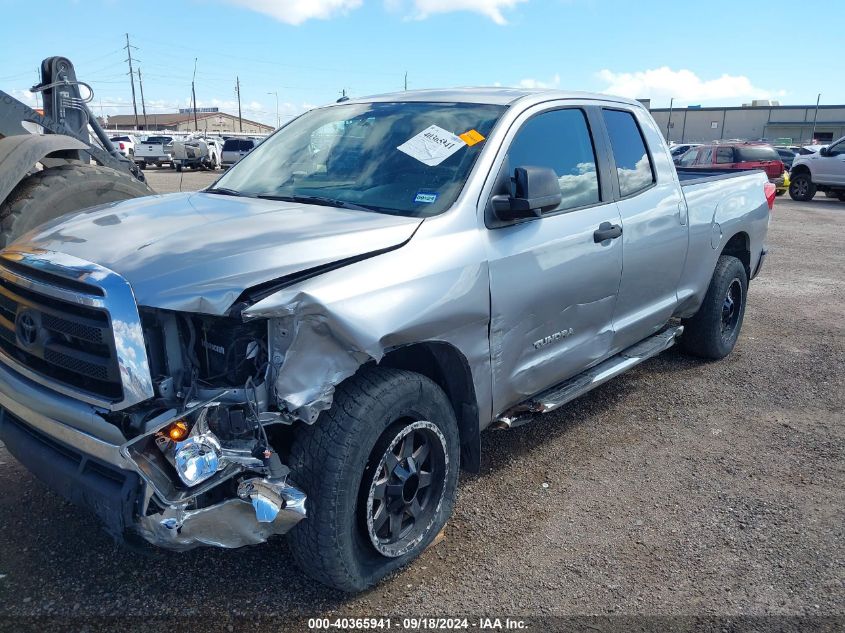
pixel 552 286
pixel 654 225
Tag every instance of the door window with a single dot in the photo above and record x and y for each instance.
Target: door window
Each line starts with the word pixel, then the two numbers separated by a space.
pixel 561 140
pixel 705 157
pixel 633 165
pixel 836 150
pixel 724 155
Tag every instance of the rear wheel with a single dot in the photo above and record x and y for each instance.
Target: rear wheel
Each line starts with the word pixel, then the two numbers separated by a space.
pixel 713 331
pixel 801 188
pixel 52 192
pixel 380 469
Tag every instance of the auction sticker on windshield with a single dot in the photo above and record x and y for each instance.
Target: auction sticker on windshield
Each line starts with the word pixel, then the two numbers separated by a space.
pixel 432 146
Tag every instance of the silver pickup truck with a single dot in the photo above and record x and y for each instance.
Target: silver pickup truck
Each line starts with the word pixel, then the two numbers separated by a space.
pixel 314 344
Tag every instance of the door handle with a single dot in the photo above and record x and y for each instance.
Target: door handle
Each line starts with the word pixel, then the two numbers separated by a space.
pixel 607 231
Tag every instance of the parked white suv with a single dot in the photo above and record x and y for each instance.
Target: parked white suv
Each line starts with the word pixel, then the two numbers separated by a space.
pixel 819 171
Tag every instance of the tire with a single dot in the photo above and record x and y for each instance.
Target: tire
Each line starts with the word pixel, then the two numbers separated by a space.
pixel 713 331
pixel 179 167
pixel 52 192
pixel 341 462
pixel 841 197
pixel 142 164
pixel 802 188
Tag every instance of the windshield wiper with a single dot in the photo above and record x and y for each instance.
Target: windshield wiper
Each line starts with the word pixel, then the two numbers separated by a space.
pixel 321 200
pixel 223 191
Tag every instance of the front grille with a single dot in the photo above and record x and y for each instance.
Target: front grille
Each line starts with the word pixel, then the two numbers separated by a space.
pixel 65 342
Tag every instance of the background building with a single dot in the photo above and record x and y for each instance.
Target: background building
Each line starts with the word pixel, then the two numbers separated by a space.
pixel 758 120
pixel 183 121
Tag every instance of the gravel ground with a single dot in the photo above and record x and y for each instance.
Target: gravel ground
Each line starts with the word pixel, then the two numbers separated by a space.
pixel 166 180
pixel 681 487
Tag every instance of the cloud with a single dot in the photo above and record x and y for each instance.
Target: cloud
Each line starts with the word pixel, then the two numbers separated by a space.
pixel 26 97
pixel 298 11
pixel 489 8
pixel 684 85
pixel 534 84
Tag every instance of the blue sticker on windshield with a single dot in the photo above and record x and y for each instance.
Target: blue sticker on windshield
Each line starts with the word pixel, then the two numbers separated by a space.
pixel 426 198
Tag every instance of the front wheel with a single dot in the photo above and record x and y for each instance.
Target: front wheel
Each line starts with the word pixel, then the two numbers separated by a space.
pixel 380 469
pixel 713 331
pixel 801 188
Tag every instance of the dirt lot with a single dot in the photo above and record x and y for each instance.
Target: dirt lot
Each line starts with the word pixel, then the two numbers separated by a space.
pixel 680 488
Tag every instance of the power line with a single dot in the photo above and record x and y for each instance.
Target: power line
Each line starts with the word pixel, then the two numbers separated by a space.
pixel 143 105
pixel 132 78
pixel 238 91
pixel 194 95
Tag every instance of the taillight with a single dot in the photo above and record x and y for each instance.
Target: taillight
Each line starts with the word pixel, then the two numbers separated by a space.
pixel 771 191
pixel 122 146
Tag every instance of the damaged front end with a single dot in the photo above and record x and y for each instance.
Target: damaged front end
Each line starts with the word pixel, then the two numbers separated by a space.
pixel 208 446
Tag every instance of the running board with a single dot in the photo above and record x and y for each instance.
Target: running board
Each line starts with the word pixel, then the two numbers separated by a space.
pixel 567 391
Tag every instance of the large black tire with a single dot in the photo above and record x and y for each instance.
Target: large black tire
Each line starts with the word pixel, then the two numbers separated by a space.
pixel 52 192
pixel 801 187
pixel 341 462
pixel 713 331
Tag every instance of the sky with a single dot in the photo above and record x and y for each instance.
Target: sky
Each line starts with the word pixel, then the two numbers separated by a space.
pixel 303 53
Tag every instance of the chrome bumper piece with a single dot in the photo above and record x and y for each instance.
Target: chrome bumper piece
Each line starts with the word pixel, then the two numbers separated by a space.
pixel 54 419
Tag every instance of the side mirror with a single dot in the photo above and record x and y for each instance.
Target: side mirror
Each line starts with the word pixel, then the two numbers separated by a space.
pixel 824 151
pixel 536 190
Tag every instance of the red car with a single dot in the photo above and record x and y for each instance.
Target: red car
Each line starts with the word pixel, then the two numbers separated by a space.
pixel 737 156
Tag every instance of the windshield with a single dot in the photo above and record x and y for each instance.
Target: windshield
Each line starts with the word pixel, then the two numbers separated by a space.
pixel 403 158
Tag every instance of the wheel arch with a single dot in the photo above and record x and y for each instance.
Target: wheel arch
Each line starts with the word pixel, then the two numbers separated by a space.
pixel 20 153
pixel 801 169
pixel 739 246
pixel 449 369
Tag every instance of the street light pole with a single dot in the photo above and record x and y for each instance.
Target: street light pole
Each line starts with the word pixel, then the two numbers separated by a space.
pixel 669 122
pixel 815 117
pixel 278 122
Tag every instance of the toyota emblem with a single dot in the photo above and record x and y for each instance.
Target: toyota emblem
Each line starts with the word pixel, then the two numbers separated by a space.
pixel 26 328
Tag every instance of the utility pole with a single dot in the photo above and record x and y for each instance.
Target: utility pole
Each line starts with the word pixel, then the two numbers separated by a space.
pixel 143 104
pixel 278 122
pixel 815 117
pixel 669 122
pixel 194 96
pixel 406 80
pixel 238 91
pixel 132 78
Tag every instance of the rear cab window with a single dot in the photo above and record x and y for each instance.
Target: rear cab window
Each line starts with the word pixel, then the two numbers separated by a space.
pixel 560 140
pixel 633 163
pixel 754 153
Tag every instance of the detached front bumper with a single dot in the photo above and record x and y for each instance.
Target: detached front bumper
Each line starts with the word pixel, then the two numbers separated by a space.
pixel 60 440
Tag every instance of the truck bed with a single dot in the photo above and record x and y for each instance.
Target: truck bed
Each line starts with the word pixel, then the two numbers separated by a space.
pixel 694 175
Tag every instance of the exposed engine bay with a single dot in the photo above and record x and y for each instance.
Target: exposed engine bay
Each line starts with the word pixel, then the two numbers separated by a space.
pixel 209 445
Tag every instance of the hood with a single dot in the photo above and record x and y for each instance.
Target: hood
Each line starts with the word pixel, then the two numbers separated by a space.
pixel 198 252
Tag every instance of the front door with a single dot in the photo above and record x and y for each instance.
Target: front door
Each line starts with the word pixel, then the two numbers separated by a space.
pixel 830 169
pixel 553 287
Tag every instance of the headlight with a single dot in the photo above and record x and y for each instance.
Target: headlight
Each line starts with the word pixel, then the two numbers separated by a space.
pixel 197 458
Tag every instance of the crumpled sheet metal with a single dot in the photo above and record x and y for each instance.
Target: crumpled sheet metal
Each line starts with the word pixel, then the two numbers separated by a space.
pixel 229 524
pixel 345 318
